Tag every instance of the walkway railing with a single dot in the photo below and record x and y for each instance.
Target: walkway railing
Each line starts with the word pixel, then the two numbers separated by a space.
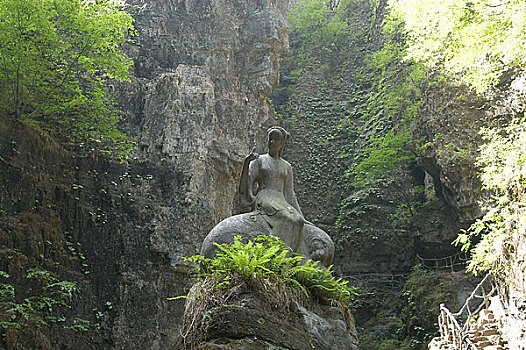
pixel 480 297
pixel 446 263
pixel 450 330
pixel 393 280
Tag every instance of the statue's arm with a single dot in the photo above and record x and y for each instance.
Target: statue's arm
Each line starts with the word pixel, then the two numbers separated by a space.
pixel 290 195
pixel 248 177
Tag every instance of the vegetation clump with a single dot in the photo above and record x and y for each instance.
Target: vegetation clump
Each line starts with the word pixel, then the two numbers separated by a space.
pixel 265 266
pixel 475 41
pixel 500 233
pixel 26 314
pixel 412 329
pixel 57 58
pixel 359 50
pixel 267 257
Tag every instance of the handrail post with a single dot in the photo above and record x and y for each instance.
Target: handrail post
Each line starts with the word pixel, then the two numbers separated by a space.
pixel 450 330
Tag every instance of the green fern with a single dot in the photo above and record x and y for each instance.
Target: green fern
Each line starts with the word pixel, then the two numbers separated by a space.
pixel 267 257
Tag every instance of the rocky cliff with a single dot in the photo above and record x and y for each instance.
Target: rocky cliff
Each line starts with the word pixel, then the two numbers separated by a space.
pixel 338 102
pixel 197 103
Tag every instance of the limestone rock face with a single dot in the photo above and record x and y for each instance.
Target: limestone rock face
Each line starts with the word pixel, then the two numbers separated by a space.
pixel 451 120
pixel 249 321
pixel 197 104
pixel 453 173
pixel 510 318
pixel 198 100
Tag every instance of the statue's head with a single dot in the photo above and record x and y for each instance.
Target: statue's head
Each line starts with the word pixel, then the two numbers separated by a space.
pixel 277 138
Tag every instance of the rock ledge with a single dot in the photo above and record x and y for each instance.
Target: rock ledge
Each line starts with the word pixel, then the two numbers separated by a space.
pixel 248 320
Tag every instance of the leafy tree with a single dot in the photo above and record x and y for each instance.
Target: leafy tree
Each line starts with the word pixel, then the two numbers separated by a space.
pixel 501 230
pixel 473 40
pixel 55 58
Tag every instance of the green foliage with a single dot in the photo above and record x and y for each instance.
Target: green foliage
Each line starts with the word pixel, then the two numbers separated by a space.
pixel 309 16
pixel 423 293
pixel 383 89
pixel 501 230
pixel 383 154
pixel 473 40
pixel 268 258
pixel 317 31
pixel 42 307
pixel 391 107
pixel 360 113
pixel 420 298
pixel 56 57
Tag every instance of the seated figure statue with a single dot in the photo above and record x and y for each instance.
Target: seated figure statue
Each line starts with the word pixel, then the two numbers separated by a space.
pixel 266 185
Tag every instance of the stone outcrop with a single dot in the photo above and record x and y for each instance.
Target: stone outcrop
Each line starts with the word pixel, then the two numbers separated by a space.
pixel 197 102
pixel 510 318
pixel 451 119
pixel 248 320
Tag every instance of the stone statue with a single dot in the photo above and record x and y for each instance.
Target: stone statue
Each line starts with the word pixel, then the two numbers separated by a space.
pixel 266 185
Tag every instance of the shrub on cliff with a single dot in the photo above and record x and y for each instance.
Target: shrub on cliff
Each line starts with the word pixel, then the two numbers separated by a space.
pixel 27 313
pixel 501 231
pixel 56 57
pixel 269 261
pixel 264 266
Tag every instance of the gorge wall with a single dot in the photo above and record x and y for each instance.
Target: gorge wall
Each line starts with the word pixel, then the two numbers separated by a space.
pixel 341 92
pixel 197 104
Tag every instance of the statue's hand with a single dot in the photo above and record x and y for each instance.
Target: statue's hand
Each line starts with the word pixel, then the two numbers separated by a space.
pixel 253 155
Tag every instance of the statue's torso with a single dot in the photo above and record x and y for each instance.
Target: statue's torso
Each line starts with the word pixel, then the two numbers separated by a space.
pixel 273 173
